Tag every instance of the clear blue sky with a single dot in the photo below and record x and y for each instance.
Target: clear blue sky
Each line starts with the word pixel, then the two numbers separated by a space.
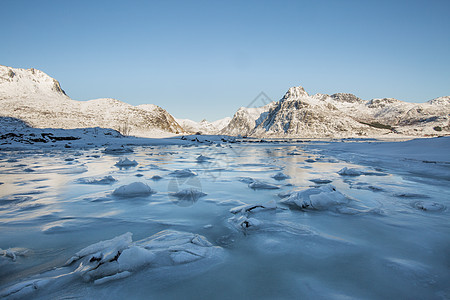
pixel 205 59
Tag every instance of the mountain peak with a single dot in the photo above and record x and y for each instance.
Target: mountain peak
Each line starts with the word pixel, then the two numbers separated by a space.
pixel 295 92
pixel 23 83
pixel 346 97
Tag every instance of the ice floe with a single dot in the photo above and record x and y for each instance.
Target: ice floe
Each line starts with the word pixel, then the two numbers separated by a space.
pixel 246 180
pixel 357 172
pixel 183 173
pixel 254 207
pixel 134 189
pixel 320 181
pixel 280 176
pixel 97 180
pixel 321 198
pixel 350 172
pixel 125 162
pixel 261 185
pixel 201 158
pixel 295 152
pixel 118 150
pixel 190 194
pixel 429 206
pixel 13 253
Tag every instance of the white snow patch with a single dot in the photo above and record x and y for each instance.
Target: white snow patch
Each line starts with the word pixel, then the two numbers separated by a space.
pixel 133 190
pixel 321 198
pixel 280 176
pixel 183 173
pixel 261 185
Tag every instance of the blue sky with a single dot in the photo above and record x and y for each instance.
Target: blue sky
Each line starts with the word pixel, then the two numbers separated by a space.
pixel 205 59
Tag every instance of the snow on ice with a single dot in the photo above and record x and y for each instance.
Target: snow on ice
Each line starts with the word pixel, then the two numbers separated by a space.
pixel 134 189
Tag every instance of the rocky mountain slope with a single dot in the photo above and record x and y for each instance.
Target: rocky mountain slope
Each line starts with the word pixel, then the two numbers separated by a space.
pixel 298 114
pixel 36 98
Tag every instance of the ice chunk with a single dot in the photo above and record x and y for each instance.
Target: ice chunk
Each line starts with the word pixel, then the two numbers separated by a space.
pixel 350 172
pixel 280 176
pixel 188 194
pixel 125 162
pixel 261 185
pixel 202 158
pixel 119 242
pixel 244 222
pixel 133 190
pixel 183 173
pixel 320 181
pixel 295 152
pixel 284 194
pixel 135 257
pixel 429 206
pixel 96 263
pixel 71 170
pixel 323 197
pixel 112 277
pixel 13 253
pixel 118 150
pixel 357 172
pixel 254 207
pixel 23 289
pixel 97 180
pixel 246 180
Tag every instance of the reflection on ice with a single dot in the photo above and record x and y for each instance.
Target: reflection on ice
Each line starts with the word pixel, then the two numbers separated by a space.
pixel 286 232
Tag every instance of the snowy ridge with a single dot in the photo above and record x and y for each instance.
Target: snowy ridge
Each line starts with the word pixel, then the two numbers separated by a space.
pixel 204 127
pixel 22 83
pixel 36 98
pixel 245 120
pixel 341 115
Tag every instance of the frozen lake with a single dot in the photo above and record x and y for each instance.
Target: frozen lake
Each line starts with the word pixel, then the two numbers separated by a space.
pixel 377 230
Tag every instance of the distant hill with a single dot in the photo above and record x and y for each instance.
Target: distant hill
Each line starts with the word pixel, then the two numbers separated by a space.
pixel 38 99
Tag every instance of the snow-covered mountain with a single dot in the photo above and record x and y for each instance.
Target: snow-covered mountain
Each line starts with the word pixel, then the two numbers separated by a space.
pixel 298 114
pixel 204 127
pixel 36 98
